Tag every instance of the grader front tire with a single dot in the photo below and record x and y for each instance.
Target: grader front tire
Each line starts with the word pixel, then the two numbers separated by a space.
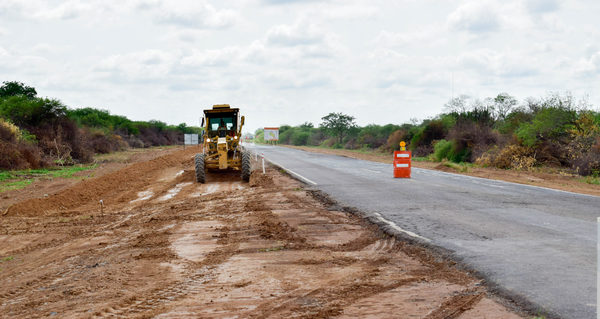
pixel 246 167
pixel 200 168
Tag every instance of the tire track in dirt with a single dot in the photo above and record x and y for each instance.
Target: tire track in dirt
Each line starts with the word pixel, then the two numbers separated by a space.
pixel 457 305
pixel 196 274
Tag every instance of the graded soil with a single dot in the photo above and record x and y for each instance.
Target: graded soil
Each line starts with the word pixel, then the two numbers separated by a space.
pixel 161 245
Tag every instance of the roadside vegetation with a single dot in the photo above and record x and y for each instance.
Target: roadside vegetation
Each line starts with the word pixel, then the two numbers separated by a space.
pixel 17 179
pixel 555 131
pixel 40 132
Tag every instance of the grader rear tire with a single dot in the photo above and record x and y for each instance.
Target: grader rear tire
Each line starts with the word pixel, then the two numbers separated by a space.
pixel 246 167
pixel 200 168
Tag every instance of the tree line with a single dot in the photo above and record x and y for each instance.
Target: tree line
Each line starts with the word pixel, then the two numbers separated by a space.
pixel 556 130
pixel 39 132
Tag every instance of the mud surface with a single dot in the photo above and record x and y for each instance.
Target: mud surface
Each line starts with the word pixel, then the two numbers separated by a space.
pixel 163 246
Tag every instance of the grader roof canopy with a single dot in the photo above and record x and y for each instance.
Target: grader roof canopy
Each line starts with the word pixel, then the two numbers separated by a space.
pixel 220 108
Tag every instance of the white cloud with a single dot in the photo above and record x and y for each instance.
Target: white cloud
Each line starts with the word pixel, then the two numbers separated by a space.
pixel 588 67
pixel 184 35
pixel 11 7
pixel 491 63
pixel 288 80
pixel 295 35
pixel 478 16
pixel 25 64
pixel 45 49
pixel 211 58
pixel 302 41
pixel 67 10
pixel 144 66
pixel 256 53
pixel 542 6
pixel 3 53
pixel 430 36
pixel 282 2
pixel 349 10
pixel 193 14
pixel 197 14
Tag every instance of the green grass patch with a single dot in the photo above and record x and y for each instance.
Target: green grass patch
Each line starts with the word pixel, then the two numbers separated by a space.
pixel 18 179
pixel 461 167
pixel 592 180
pixel 9 186
pixel 5 259
pixel 421 159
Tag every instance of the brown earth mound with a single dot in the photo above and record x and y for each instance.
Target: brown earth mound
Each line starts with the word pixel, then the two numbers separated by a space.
pixel 117 187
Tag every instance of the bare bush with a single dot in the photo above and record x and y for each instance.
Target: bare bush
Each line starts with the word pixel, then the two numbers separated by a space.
pixel 15 151
pixel 393 141
pixel 512 156
pixel 471 140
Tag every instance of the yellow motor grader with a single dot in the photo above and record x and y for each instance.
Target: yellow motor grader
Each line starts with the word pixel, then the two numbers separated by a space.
pixel 221 140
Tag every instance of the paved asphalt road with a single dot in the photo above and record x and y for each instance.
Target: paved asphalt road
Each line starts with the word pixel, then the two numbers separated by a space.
pixel 537 243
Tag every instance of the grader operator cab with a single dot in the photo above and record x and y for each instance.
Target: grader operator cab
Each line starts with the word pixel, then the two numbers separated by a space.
pixel 221 143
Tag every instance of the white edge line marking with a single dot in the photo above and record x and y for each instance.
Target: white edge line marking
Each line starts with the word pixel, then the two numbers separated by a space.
pixel 396 227
pixel 390 223
pixel 292 172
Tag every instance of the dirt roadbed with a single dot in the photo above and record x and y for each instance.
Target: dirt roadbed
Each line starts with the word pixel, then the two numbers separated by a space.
pixel 163 246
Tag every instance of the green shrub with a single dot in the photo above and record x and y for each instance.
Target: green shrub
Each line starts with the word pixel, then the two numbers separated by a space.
pixel 14 88
pixel 24 111
pixel 375 136
pixel 442 150
pixel 548 124
pixel 430 131
pixel 300 138
pixel 449 150
pixel 285 136
pixel 512 122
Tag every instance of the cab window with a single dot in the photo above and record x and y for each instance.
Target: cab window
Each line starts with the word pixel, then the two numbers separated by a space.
pixel 216 122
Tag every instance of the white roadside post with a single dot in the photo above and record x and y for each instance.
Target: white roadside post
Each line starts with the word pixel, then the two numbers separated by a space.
pixel 598 271
pixel 263 161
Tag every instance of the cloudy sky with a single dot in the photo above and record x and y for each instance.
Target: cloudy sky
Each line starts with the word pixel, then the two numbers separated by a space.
pixel 287 62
